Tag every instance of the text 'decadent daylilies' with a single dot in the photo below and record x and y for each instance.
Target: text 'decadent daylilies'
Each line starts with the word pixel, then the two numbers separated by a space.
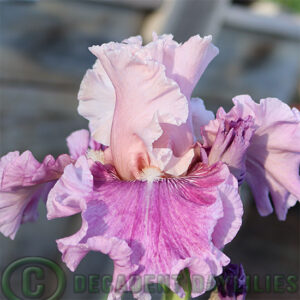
pixel 150 203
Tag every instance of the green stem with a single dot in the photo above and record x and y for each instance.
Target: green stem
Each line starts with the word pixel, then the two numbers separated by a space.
pixel 185 283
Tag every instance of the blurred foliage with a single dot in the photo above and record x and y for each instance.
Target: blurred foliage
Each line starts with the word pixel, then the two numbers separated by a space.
pixel 291 5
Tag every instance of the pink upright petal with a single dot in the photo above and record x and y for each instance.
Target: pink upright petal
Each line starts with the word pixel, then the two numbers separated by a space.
pixel 190 61
pixel 178 165
pixel 148 221
pixel 134 97
pixel 145 97
pixel 199 117
pixel 97 102
pixel 23 182
pixel 185 63
pixel 176 138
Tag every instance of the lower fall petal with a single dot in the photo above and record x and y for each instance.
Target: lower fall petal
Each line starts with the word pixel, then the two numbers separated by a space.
pixel 151 218
pixel 228 226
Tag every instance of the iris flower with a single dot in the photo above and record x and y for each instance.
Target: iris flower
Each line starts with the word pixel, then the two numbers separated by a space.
pixel 156 177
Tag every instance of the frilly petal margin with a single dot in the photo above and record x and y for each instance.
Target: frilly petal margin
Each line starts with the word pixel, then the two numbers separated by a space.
pixel 228 141
pixel 228 226
pixel 273 156
pixel 97 102
pixel 185 63
pixel 142 225
pixel 131 136
pixel 80 142
pixel 199 117
pixel 23 182
pixel 165 73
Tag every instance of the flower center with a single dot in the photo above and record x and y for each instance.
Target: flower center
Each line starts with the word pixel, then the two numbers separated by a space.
pixel 151 174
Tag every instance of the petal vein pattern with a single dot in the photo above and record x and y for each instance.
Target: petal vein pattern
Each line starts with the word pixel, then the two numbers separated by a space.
pixel 160 227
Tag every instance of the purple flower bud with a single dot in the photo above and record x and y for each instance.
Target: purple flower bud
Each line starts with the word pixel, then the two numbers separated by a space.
pixel 232 283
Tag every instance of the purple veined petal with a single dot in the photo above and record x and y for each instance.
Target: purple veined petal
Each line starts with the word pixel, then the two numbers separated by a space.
pixel 21 206
pixel 17 170
pixel 23 183
pixel 150 219
pixel 227 140
pixel 94 145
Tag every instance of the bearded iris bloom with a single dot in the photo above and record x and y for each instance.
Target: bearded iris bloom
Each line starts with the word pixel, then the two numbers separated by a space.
pixel 156 178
